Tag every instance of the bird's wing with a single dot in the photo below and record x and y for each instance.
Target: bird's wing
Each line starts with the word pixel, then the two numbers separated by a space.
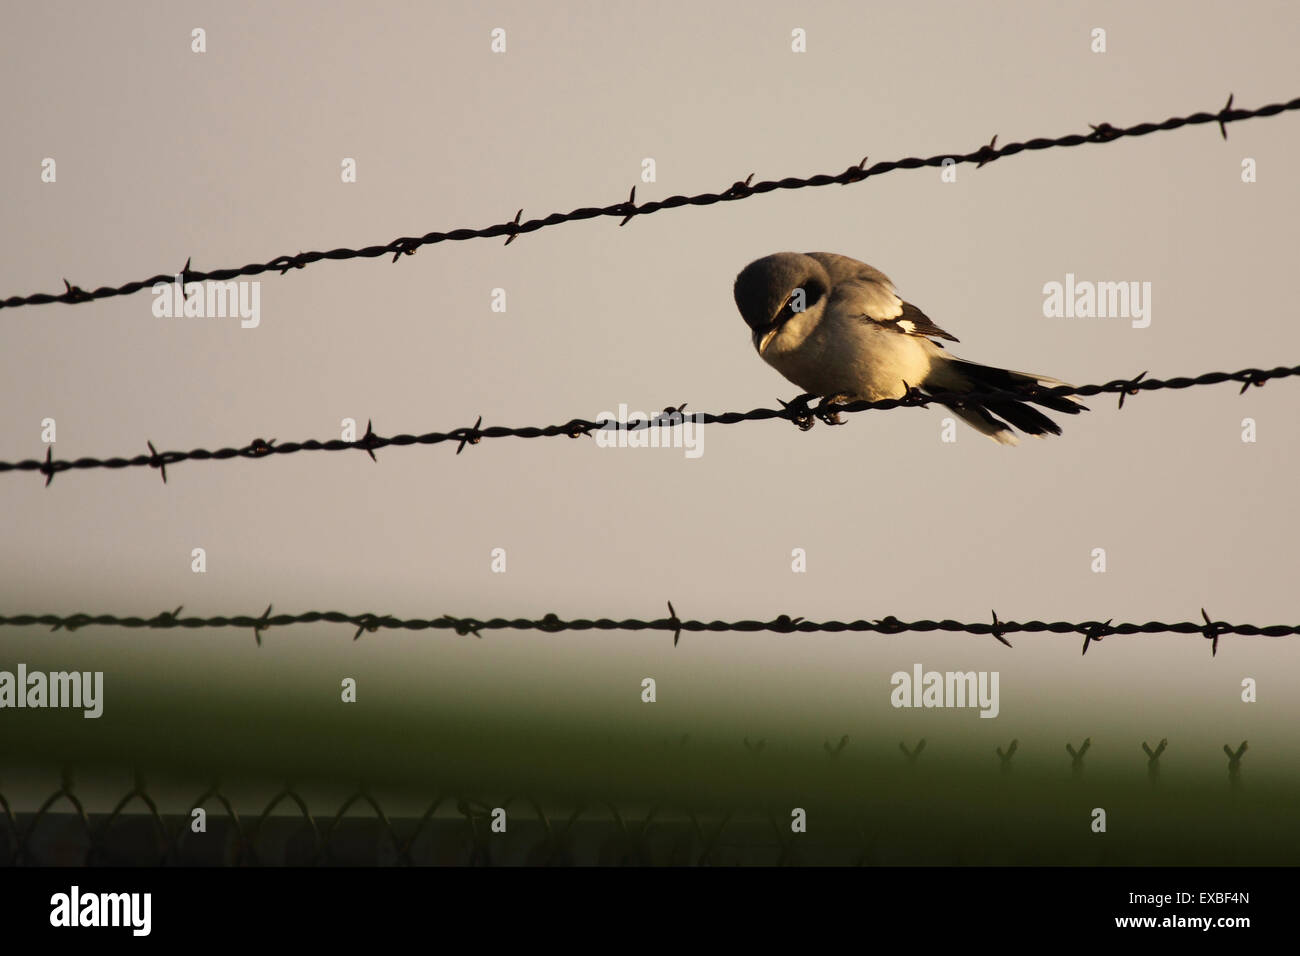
pixel 877 302
pixel 869 290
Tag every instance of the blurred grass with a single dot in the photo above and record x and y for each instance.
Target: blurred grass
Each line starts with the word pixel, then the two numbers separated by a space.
pixel 953 805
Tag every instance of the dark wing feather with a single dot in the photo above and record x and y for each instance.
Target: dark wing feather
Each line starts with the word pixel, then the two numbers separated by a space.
pixel 921 324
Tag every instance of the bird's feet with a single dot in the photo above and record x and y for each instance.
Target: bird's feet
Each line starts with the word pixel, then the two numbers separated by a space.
pixel 826 412
pixel 799 411
pixel 806 417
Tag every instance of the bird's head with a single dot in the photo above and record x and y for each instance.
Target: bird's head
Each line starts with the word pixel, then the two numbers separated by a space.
pixel 772 290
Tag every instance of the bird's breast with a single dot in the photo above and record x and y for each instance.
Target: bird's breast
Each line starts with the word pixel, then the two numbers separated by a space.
pixel 834 355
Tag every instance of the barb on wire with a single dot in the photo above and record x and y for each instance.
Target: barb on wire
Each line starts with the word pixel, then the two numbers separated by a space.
pixel 796 411
pixel 1153 757
pixel 1004 758
pixel 1076 756
pixel 625 210
pixel 553 624
pixel 914 753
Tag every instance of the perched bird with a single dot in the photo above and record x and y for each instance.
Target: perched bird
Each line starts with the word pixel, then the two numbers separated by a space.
pixel 836 328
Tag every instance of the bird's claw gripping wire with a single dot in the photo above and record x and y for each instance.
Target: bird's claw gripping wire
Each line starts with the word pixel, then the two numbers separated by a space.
pixel 828 410
pixel 800 413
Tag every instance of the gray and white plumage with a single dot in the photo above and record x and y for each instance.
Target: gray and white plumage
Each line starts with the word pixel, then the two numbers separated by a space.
pixel 856 339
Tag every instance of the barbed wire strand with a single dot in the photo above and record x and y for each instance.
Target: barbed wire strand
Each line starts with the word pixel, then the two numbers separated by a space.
pixel 1092 631
pixel 626 211
pixel 797 411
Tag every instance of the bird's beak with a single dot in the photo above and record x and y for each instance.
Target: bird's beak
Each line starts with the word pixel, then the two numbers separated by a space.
pixel 761 343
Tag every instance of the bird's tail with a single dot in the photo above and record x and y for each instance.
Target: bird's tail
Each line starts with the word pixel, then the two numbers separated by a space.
pixel 991 416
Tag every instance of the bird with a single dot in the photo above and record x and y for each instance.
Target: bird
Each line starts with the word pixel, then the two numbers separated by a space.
pixel 837 328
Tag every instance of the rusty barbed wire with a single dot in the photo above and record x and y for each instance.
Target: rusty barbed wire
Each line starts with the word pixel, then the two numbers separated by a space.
pixel 797 411
pixel 629 209
pixel 1092 631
